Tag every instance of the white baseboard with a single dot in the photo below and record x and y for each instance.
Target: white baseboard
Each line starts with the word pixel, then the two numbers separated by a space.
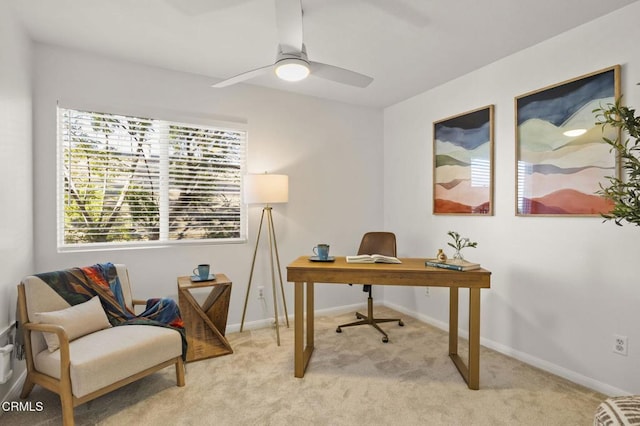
pixel 14 391
pixel 6 331
pixel 268 322
pixel 549 367
pixel 557 370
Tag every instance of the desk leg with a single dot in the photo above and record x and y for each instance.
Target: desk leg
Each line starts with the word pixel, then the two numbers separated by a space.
pixel 298 330
pixel 453 321
pixel 302 354
pixel 470 372
pixel 474 338
pixel 302 351
pixel 310 318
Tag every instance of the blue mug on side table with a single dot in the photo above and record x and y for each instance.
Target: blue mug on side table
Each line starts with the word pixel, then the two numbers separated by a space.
pixel 202 271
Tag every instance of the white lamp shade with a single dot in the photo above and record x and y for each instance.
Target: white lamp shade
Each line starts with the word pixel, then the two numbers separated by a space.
pixel 266 189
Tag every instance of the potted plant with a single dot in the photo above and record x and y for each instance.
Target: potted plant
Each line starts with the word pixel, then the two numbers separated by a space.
pixel 623 191
pixel 459 243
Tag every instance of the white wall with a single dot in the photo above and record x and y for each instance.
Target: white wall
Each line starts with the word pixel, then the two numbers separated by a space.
pixel 323 146
pixel 561 287
pixel 16 240
pixel 552 302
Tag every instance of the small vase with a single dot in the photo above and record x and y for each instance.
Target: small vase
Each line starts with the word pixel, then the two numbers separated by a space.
pixel 458 256
pixel 441 256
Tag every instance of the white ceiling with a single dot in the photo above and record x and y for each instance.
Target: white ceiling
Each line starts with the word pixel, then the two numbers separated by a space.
pixel 407 46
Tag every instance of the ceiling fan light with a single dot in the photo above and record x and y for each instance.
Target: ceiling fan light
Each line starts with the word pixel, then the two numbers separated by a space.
pixel 292 69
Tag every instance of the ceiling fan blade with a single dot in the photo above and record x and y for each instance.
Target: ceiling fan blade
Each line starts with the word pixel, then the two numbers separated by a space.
pixel 403 11
pixel 340 75
pixel 199 7
pixel 243 77
pixel 289 24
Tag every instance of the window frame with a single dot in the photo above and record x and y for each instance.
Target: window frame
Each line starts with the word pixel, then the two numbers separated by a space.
pixel 219 125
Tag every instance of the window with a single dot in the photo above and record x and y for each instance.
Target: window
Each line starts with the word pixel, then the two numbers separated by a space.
pixel 138 181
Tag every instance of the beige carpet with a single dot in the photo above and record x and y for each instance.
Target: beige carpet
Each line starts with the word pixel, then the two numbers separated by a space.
pixel 353 379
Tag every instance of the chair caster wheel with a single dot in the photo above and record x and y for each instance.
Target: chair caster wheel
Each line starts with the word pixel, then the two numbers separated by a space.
pixel 338 330
pixel 400 323
pixel 385 340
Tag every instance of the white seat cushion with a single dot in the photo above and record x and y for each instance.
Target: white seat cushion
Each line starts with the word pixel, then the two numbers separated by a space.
pixel 106 356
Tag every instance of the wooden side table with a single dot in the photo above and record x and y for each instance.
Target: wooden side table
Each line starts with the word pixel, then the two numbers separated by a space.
pixel 205 324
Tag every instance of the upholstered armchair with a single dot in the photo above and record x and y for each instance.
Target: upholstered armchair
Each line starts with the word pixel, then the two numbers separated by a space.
pixel 74 350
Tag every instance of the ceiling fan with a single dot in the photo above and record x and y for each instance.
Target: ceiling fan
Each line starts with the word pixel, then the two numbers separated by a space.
pixel 292 63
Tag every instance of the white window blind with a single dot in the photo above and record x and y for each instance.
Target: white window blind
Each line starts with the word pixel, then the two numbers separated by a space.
pixel 132 180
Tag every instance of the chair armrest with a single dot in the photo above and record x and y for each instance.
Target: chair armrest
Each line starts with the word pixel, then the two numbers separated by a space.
pixel 138 302
pixel 63 338
pixel 50 328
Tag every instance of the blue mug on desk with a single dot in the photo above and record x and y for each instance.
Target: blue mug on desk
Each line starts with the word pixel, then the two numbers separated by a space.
pixel 322 251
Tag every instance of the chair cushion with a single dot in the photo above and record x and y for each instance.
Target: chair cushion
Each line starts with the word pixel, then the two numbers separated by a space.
pixel 78 320
pixel 106 356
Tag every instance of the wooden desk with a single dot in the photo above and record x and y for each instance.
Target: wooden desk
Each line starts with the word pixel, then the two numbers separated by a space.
pixel 411 272
pixel 205 324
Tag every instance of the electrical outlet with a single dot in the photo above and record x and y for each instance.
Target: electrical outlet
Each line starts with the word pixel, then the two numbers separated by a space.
pixel 427 291
pixel 620 344
pixel 261 292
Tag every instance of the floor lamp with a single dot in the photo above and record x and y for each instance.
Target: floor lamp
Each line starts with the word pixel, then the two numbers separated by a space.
pixel 267 189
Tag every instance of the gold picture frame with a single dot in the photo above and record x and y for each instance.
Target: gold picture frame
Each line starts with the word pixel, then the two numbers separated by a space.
pixel 561 157
pixel 463 163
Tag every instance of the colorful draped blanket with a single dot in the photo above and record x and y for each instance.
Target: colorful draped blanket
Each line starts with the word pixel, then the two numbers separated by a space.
pixel 78 285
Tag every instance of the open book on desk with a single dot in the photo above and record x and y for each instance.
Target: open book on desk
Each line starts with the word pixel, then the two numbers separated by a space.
pixel 453 264
pixel 373 258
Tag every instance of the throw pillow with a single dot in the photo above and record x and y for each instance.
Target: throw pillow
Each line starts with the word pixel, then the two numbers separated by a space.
pixel 78 320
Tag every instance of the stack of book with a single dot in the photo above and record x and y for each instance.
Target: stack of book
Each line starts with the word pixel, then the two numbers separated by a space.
pixel 453 264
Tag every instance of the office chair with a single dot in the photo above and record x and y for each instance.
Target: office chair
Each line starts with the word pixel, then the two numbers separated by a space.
pixel 374 243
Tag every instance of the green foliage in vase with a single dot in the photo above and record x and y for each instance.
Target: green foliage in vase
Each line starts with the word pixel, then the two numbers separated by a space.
pixel 623 191
pixel 460 242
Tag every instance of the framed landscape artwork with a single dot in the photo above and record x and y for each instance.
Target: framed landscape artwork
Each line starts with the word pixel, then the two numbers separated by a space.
pixel 463 163
pixel 561 158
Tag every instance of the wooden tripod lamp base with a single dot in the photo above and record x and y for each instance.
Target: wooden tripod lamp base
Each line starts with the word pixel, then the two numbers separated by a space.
pixel 267 189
